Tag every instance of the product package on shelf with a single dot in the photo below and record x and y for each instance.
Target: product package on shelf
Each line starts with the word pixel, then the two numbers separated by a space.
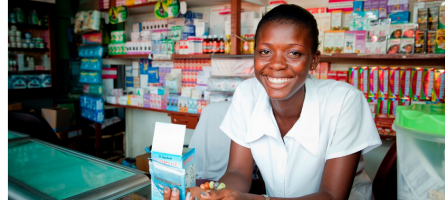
pixel 92 108
pixel 87 21
pixel 223 84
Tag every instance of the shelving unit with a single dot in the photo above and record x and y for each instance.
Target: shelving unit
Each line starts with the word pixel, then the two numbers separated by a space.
pixel 155 110
pixel 48 35
pixel 343 56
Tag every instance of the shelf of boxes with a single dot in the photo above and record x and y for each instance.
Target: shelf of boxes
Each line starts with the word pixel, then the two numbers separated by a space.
pixel 156 110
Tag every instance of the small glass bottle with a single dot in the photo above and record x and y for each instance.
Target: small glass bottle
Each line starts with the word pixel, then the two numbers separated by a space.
pixel 251 44
pixel 221 45
pixel 214 44
pixel 227 45
pixel 246 44
pixel 204 44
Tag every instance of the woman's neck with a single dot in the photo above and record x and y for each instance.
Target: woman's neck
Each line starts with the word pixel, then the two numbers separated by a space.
pixel 288 111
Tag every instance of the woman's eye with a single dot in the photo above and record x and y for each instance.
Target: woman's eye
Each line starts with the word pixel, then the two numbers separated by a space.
pixel 264 52
pixel 294 53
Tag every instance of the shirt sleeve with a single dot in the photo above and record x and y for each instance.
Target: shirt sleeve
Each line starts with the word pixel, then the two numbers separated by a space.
pixel 355 130
pixel 234 123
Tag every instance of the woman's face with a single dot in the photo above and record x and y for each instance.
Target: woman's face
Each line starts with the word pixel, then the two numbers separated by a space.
pixel 283 58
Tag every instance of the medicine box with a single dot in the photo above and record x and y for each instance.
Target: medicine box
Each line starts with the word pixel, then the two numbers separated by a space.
pixel 440 41
pixel 346 20
pixel 358 5
pixel 332 75
pixel 34 81
pixel 393 46
pixel 428 86
pixel 417 83
pixel 439 92
pixel 409 30
pixel 433 21
pixel 326 21
pixel 373 82
pixel 383 9
pixel 398 8
pixel 399 17
pixel 357 20
pixel 383 82
pixel 339 40
pixel 324 68
pixel 442 16
pixel 406 45
pixel 354 77
pixel 45 79
pixel 336 20
pixel 328 42
pixel 405 82
pixel 171 165
pixel 19 81
pixel 342 76
pixel 394 77
pixel 364 81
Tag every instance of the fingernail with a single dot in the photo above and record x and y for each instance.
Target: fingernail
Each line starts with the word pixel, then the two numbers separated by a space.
pixel 166 189
pixel 204 194
pixel 174 191
pixel 189 196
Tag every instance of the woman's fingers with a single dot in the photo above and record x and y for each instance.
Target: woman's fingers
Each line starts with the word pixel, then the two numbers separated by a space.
pixel 167 193
pixel 171 194
pixel 215 194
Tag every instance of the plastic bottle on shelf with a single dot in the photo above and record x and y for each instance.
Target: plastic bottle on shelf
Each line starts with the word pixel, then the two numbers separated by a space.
pixel 221 45
pixel 34 17
pixel 215 44
pixel 20 16
pixel 246 44
pixel 227 45
pixel 204 44
pixel 252 44
pixel 12 18
pixel 242 43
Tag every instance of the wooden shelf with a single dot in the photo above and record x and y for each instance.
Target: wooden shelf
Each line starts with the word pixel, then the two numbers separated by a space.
pixel 28 49
pixel 28 26
pixel 195 56
pixel 383 56
pixel 155 110
pixel 30 72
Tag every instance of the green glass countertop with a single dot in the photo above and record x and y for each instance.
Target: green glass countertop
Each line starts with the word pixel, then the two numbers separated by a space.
pixel 56 173
pixel 12 135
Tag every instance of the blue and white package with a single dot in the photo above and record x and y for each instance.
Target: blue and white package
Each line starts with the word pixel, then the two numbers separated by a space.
pixel 91 51
pixel 9 82
pixel 94 77
pixel 153 75
pixel 164 175
pixel 45 80
pixel 93 64
pixel 34 81
pixel 144 65
pixel 192 105
pixel 128 81
pixel 171 165
pixel 83 77
pixel 19 81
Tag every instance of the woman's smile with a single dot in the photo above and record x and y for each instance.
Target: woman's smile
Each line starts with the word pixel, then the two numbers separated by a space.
pixel 277 82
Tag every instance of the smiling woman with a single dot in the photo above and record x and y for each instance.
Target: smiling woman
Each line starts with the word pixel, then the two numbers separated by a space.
pixel 305 135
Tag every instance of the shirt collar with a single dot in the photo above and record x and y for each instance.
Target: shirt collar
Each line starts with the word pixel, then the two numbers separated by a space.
pixel 305 131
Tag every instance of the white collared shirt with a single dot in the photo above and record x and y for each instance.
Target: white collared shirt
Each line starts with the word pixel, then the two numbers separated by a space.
pixel 335 121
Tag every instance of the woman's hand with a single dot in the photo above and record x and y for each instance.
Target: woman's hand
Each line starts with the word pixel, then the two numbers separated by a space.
pixel 173 194
pixel 226 194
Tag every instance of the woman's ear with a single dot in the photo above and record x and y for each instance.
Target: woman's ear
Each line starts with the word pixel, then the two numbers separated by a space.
pixel 315 60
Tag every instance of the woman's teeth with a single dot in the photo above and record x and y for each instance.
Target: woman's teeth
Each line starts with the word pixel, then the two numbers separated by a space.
pixel 278 80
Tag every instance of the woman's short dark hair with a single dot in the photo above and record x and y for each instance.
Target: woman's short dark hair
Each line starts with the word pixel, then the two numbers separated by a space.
pixel 293 14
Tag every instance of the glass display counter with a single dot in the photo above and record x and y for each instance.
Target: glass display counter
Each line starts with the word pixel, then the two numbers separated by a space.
pixel 40 170
pixel 15 136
